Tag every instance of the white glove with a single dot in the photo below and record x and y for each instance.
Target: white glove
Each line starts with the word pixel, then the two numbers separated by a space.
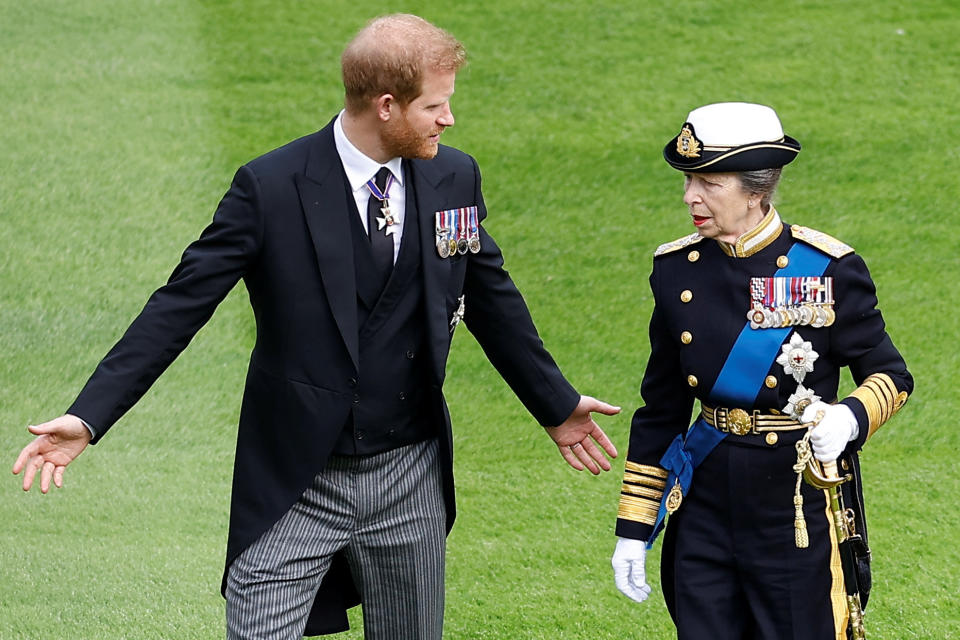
pixel 837 427
pixel 628 571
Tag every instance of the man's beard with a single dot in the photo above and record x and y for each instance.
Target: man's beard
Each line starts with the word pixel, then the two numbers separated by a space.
pixel 403 141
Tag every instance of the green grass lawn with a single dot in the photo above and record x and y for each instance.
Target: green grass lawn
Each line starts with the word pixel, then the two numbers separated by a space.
pixel 124 120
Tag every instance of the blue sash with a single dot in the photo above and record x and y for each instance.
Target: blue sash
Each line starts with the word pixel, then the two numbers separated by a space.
pixel 738 384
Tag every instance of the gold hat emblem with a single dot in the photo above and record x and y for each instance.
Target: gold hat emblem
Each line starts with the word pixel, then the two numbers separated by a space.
pixel 687 145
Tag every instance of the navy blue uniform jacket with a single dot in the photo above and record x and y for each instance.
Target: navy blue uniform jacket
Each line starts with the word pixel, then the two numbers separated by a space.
pixel 702 295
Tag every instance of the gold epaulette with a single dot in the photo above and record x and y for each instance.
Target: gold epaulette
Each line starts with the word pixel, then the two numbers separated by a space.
pixel 826 243
pixel 880 399
pixel 678 244
pixel 641 493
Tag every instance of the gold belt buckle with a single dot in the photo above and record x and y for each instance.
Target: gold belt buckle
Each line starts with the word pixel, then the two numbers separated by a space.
pixel 738 421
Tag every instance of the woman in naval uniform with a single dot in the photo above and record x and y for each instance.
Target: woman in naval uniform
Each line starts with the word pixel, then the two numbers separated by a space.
pixel 753 318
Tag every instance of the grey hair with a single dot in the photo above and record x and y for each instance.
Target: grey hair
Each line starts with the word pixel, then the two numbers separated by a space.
pixel 761 181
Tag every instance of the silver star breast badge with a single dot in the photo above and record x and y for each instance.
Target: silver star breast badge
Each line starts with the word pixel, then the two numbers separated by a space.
pixel 797 357
pixel 799 401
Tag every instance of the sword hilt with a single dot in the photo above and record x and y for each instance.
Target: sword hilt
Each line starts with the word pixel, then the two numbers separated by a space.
pixel 830 470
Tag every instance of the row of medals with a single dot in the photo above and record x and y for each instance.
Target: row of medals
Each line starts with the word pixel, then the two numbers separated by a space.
pixel 448 246
pixel 808 314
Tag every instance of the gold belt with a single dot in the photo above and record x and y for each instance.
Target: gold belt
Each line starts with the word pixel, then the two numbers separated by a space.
pixel 741 423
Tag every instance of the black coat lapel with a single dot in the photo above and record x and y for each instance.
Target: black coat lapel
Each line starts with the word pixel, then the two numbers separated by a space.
pixel 325 205
pixel 428 182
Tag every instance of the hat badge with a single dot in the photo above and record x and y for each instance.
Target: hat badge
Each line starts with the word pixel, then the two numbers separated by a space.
pixel 687 144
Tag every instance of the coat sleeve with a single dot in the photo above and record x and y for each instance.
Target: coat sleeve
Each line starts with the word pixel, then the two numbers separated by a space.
pixel 860 340
pixel 497 316
pixel 668 404
pixel 208 270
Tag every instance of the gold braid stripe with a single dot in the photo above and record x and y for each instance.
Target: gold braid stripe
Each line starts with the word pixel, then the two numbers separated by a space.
pixel 638 510
pixel 838 593
pixel 646 469
pixel 644 480
pixel 879 397
pixel 642 491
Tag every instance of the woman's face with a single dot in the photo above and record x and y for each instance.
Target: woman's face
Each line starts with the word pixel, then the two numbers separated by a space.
pixel 719 206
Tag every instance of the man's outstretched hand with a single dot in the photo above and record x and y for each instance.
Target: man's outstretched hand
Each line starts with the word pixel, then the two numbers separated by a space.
pixel 578 436
pixel 57 444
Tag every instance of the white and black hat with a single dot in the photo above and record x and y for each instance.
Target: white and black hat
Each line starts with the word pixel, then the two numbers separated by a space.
pixel 731 136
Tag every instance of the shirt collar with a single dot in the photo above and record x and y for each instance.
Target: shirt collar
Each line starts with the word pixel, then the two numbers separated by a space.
pixel 756 239
pixel 359 167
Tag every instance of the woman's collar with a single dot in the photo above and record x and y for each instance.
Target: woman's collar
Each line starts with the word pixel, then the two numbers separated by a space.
pixel 756 239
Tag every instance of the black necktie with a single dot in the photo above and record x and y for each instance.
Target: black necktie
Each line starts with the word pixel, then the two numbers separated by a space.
pixel 380 242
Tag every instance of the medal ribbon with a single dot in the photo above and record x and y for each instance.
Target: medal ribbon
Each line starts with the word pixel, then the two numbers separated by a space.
pixel 375 190
pixel 458 227
pixel 474 232
pixel 791 291
pixel 756 291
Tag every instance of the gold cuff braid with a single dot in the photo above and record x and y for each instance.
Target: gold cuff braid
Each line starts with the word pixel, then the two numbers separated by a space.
pixel 880 399
pixel 642 492
pixel 638 509
pixel 647 481
pixel 633 489
pixel 646 469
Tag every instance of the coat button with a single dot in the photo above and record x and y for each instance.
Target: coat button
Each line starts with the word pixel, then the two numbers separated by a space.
pixel 686 295
pixel 693 256
pixel 686 337
pixel 692 381
pixel 356 399
pixel 410 354
pixel 783 261
pixel 402 396
pixel 771 382
pixel 772 438
pixel 360 435
pixel 352 383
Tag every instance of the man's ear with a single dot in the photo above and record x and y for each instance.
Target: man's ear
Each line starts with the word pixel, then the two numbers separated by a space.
pixel 384 106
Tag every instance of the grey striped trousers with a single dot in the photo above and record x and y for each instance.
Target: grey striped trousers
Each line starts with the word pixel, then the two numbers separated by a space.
pixel 386 512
